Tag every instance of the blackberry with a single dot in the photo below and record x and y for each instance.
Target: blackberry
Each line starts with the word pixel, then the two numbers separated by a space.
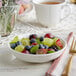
pixel 32 41
pixel 28 47
pixel 18 43
pixel 34 36
pixel 41 46
pixel 41 38
pixel 54 47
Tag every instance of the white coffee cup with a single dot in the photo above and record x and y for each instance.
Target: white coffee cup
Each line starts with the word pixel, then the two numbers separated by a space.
pixel 49 14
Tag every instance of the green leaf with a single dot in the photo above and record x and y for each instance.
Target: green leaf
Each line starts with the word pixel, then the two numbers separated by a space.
pixel 38 41
pixel 34 49
pixel 51 52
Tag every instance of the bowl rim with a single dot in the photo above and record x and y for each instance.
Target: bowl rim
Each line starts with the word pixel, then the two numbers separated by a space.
pixel 64 41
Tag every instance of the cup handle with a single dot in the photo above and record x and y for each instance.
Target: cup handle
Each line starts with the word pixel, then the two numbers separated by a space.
pixel 69 11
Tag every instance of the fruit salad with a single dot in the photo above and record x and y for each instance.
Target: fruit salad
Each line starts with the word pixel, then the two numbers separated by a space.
pixel 37 45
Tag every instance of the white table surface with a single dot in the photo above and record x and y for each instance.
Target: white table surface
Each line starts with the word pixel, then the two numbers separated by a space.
pixel 14 67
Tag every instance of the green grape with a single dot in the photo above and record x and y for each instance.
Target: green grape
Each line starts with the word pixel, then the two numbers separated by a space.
pixel 25 41
pixel 19 48
pixel 14 40
pixel 38 41
pixel 55 39
pixel 48 41
pixel 34 49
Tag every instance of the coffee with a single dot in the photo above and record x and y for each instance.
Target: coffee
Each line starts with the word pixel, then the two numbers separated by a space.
pixel 50 3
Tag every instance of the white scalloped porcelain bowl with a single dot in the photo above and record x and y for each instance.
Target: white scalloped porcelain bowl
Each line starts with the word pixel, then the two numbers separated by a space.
pixel 37 58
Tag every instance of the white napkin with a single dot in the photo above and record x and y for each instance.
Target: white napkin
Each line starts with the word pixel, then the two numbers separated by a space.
pixel 57 66
pixel 59 69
